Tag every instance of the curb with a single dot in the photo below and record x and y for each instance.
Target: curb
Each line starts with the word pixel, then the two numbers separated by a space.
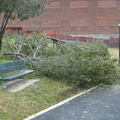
pixel 59 104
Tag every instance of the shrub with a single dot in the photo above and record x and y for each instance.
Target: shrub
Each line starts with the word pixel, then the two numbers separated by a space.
pixel 86 66
pixel 34 45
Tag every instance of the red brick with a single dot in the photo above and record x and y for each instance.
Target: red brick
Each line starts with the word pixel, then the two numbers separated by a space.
pixel 64 5
pixel 15 23
pixel 49 32
pixel 106 30
pixel 50 14
pixel 104 4
pixel 78 4
pixel 78 23
pixel 106 13
pixel 50 23
pixel 107 22
pixel 75 14
pixel 64 23
pixel 71 30
pixel 53 5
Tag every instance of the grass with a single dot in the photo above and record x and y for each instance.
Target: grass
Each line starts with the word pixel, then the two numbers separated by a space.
pixel 114 52
pixel 39 96
pixel 4 61
pixel 43 94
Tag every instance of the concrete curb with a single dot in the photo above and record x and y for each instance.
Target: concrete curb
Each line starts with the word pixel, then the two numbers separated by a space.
pixel 59 104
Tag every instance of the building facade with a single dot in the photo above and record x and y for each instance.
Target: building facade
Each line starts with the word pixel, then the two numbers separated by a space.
pixel 98 18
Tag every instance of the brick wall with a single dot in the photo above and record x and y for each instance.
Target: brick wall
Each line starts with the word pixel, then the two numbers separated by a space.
pixel 76 17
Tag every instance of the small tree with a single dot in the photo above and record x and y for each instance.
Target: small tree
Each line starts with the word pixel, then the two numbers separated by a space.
pixel 20 9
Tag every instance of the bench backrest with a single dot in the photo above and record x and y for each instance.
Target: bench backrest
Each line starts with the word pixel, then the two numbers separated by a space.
pixel 12 66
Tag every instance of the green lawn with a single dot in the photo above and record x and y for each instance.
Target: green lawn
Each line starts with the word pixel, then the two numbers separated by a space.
pixel 114 52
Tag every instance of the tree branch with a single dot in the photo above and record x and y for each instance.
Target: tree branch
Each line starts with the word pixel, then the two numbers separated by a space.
pixel 26 58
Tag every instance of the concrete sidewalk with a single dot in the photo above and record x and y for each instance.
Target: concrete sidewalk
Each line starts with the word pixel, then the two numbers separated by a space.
pixel 19 84
pixel 102 103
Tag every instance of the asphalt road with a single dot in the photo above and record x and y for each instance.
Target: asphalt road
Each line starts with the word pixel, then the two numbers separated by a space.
pixel 102 103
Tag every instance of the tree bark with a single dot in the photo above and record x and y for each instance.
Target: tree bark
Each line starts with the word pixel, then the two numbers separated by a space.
pixel 3 26
pixel 1 37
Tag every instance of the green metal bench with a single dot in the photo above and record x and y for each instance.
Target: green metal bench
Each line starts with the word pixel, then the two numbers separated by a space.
pixel 10 67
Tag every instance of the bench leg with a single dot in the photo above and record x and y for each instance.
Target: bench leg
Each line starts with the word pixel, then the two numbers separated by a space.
pixel 25 77
pixel 4 84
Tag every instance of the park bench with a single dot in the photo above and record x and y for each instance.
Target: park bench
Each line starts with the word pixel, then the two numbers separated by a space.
pixel 16 68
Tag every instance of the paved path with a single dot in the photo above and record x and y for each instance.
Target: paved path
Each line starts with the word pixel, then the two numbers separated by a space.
pixel 102 103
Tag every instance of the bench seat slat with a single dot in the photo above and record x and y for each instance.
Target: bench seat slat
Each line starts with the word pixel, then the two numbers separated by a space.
pixel 13 63
pixel 16 75
pixel 12 69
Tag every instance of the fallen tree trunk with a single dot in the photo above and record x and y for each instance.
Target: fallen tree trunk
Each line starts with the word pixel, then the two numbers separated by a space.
pixel 25 57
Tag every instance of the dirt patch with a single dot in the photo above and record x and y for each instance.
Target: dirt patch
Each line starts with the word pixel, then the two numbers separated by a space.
pixel 68 93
